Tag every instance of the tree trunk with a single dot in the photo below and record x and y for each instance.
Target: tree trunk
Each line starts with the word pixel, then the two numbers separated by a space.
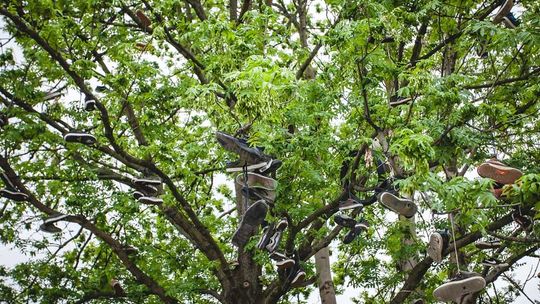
pixel 324 274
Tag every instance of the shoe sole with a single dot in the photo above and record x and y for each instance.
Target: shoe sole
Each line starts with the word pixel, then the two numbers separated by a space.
pixel 8 182
pixel 508 23
pixel 54 219
pixel 298 278
pixel 390 202
pixel 149 200
pixel 49 228
pixel 501 174
pixel 503 11
pixel 456 289
pixel 266 237
pixel 253 217
pixel 14 195
pixel 285 264
pixel 247 168
pixel 82 138
pixel 147 182
pixel 434 249
pixel 351 206
pixel 346 222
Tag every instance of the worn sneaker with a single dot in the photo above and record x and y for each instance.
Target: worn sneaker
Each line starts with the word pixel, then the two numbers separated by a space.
pixel 48 223
pixel 13 195
pixel 464 283
pixel 276 237
pixel 267 233
pixel 503 11
pixel 82 138
pixel 350 203
pixel 130 250
pixel 344 220
pixel 356 231
pixel 150 200
pixel 250 158
pixel 490 262
pixel 499 172
pixel 418 301
pixel 510 21
pixel 49 228
pixel 401 206
pixel 488 244
pixel 297 278
pixel 253 217
pixel 118 290
pixel 257 186
pixel 147 182
pixel 285 264
pixel 522 220
pixel 138 194
pixel 438 242
pixel 89 104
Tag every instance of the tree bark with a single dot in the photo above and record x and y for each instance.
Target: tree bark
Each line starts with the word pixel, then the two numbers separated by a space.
pixel 324 274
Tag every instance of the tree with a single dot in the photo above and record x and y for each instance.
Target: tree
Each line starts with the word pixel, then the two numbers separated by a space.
pixel 312 83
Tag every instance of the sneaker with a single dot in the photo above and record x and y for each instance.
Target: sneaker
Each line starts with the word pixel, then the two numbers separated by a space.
pixel 253 217
pixel 89 104
pixel 438 242
pixel 298 278
pixel 464 283
pixel 418 301
pixel 130 250
pixel 261 186
pixel 13 195
pixel 101 89
pixel 150 200
pixel 118 290
pixel 250 158
pixel 350 203
pixel 489 244
pixel 503 11
pixel 401 206
pixel 276 237
pixel 510 21
pixel 499 172
pixel 257 194
pixel 147 182
pixel 490 262
pixel 49 228
pixel 524 221
pixel 138 194
pixel 149 190
pixel 3 120
pixel 82 138
pixel 267 233
pixel 354 232
pixel 344 221
pixel 48 223
pixel 285 264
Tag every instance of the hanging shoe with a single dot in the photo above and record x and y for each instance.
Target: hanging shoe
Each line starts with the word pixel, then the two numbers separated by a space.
pixel 48 223
pixel 350 203
pixel 3 120
pixel 89 104
pixel 488 244
pixel 499 172
pixel 257 186
pixel 464 283
pixel 150 200
pixel 401 206
pixel 490 262
pixel 146 22
pixel 503 11
pixel 267 233
pixel 143 182
pixel 250 158
pixel 253 217
pixel 297 278
pixel 82 138
pixel 130 250
pixel 522 220
pixel 118 290
pixel 282 261
pixel 138 194
pixel 276 237
pixel 13 195
pixel 510 21
pixel 438 242
pixel 344 221
pixel 418 301
pixel 356 231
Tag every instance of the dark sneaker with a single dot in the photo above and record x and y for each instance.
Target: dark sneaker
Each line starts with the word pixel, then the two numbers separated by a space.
pixel 401 206
pixel 524 221
pixel 250 158
pixel 267 233
pixel 7 182
pixel 510 21
pixel 354 232
pixel 138 194
pixel 350 203
pixel 101 89
pixel 499 172
pixel 82 138
pixel 147 182
pixel 253 217
pixel 489 244
pixel 503 11
pixel 276 237
pixel 438 242
pixel 297 278
pixel 398 100
pixel 13 195
pixel 344 221
pixel 130 250
pixel 118 290
pixel 48 223
pixel 149 190
pixel 418 301
pixel 257 186
pixel 150 200
pixel 89 104
pixel 464 283
pixel 285 264
pixel 3 120
pixel 277 256
pixel 494 263
pixel 49 228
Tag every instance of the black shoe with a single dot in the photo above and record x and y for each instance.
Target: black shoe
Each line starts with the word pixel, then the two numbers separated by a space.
pixel 130 250
pixel 510 21
pixel 267 233
pixel 253 217
pixel 356 231
pixel 143 182
pixel 297 278
pixel 524 221
pixel 50 228
pixel 3 120
pixel 438 242
pixel 350 203
pixel 250 158
pixel 490 262
pixel 48 223
pixel 489 244
pixel 150 200
pixel 344 221
pixel 138 194
pixel 14 195
pixel 89 104
pixel 82 138
pixel 276 237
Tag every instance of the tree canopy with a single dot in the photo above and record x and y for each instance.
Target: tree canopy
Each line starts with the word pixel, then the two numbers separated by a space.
pixel 432 88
